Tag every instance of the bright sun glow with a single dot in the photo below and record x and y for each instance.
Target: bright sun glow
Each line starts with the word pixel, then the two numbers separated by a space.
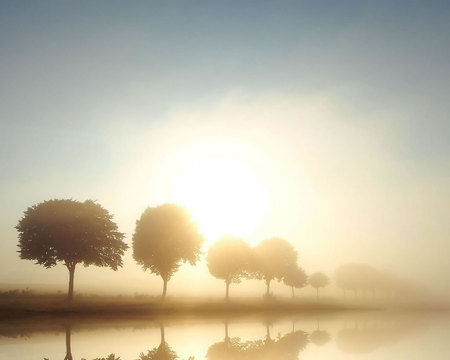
pixel 225 196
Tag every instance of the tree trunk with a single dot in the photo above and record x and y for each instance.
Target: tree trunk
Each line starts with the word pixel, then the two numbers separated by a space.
pixel 227 290
pixel 293 295
pixel 163 338
pixel 317 293
pixel 68 349
pixel 164 288
pixel 71 278
pixel 227 338
pixel 267 288
pixel 267 331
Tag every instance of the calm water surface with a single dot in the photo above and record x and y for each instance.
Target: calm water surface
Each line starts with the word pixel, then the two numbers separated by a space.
pixel 375 335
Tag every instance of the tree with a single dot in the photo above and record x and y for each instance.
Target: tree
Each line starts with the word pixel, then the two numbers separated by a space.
pixel 165 237
pixel 162 352
pixel 274 258
pixel 318 280
pixel 229 259
pixel 295 278
pixel 70 232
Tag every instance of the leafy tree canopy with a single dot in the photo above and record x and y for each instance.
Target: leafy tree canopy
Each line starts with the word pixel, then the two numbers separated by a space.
pixel 72 232
pixel 274 258
pixel 229 259
pixel 296 277
pixel 318 280
pixel 166 236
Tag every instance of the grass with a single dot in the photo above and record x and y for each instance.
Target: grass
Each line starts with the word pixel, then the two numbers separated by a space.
pixel 23 304
pixel 13 305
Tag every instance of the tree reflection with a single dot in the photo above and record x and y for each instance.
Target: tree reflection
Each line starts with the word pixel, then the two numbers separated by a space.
pixel 287 347
pixel 364 337
pixel 319 337
pixel 162 352
pixel 68 348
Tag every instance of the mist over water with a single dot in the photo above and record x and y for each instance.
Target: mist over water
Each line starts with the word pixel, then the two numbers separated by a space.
pixel 327 335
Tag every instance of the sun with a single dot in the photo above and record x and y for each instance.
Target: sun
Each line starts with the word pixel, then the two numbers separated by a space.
pixel 225 196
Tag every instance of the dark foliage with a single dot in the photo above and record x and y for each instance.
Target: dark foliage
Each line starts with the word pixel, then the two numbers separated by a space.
pixel 70 232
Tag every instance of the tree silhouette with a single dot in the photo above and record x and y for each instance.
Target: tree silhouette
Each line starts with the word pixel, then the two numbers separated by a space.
pixel 295 278
pixel 318 280
pixel 274 258
pixel 229 259
pixel 70 232
pixel 166 236
pixel 287 347
pixel 68 356
pixel 162 352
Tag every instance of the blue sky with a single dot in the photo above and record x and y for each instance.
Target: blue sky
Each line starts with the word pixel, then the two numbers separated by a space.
pixel 81 81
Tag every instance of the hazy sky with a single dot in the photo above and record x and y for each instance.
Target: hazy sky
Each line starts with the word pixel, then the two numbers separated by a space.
pixel 339 108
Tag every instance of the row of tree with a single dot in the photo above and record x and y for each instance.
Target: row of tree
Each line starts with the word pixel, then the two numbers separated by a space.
pixel 165 237
pixel 286 347
pixel 364 279
pixel 231 259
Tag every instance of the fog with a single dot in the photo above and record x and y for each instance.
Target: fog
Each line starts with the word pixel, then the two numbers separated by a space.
pixel 337 191
pixel 344 126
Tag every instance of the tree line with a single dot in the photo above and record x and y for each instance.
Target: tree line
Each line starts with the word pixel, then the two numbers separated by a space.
pixel 72 232
pixel 365 280
pixel 289 346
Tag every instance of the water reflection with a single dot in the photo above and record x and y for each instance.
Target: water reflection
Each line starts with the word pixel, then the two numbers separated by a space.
pixel 68 343
pixel 355 334
pixel 319 337
pixel 286 347
pixel 162 352
pixel 366 335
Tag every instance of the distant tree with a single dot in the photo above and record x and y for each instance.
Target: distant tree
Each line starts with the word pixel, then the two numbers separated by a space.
pixel 229 259
pixel 318 280
pixel 274 258
pixel 362 277
pixel 165 237
pixel 295 278
pixel 70 232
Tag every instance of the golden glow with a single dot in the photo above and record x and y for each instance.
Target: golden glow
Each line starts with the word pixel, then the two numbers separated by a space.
pixel 225 196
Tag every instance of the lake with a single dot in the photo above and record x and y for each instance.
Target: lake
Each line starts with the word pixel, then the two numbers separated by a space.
pixel 337 335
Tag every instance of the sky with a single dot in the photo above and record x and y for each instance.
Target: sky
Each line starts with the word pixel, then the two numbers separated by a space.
pixel 332 118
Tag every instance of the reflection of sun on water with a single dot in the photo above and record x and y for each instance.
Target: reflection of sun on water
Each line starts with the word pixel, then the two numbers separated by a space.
pixel 225 196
